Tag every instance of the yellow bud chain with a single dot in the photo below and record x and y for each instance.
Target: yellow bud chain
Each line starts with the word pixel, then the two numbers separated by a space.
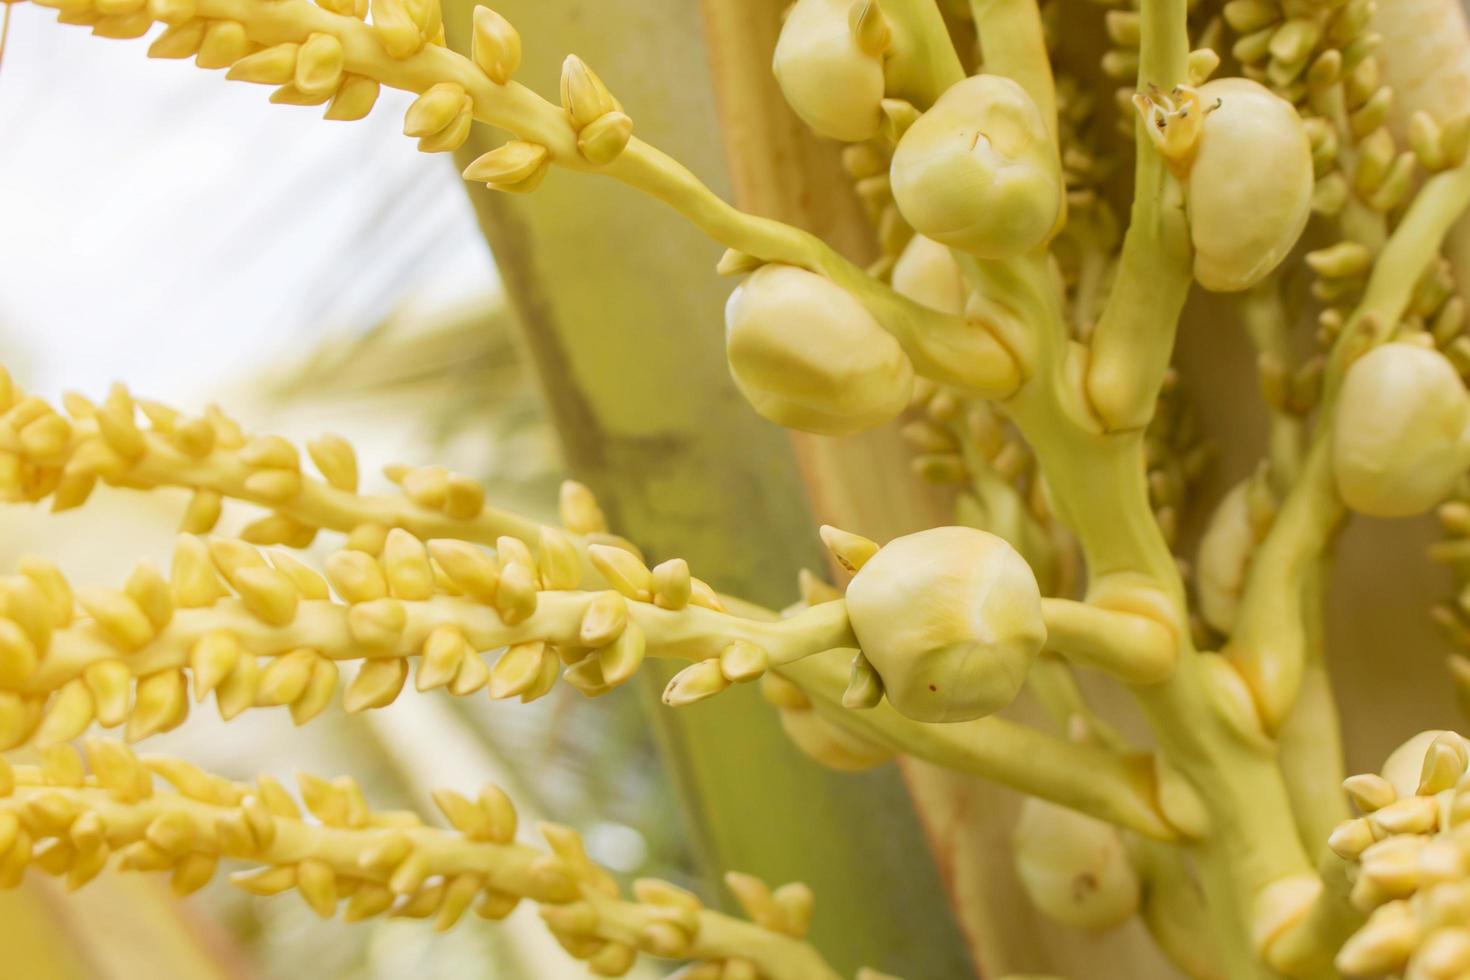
pixel 404 605
pixel 212 455
pixel 70 824
pixel 930 338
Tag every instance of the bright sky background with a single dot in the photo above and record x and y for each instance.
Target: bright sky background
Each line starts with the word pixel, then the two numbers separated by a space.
pixel 164 226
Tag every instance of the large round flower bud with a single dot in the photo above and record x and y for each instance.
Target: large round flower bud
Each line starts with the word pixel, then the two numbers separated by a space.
pixel 978 172
pixel 1249 189
pixel 926 272
pixel 1399 438
pixel 828 79
pixel 808 356
pixel 1074 867
pixel 951 620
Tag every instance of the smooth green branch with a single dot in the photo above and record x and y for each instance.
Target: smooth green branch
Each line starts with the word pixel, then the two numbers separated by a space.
pixel 1269 645
pixel 922 62
pixel 1014 45
pixel 1119 789
pixel 1135 649
pixel 1134 338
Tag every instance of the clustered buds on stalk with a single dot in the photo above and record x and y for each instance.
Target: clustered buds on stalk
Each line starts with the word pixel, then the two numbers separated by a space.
pixel 1412 852
pixel 1246 163
pixel 978 171
pixel 1075 868
pixel 1401 436
pixel 951 619
pixel 829 64
pixel 808 356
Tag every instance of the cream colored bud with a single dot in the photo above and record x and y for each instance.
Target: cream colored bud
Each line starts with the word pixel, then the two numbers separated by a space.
pixel 830 744
pixel 978 172
pixel 927 273
pixel 1404 767
pixel 808 356
pixel 951 619
pixel 1244 219
pixel 1399 437
pixel 828 79
pixel 1224 555
pixel 1073 867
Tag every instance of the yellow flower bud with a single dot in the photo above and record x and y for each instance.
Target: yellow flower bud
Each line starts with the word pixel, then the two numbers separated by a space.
pixel 1073 867
pixel 1399 438
pixel 830 744
pixel 1244 219
pixel 927 273
pixel 808 356
pixel 1404 767
pixel 951 620
pixel 978 172
pixel 830 81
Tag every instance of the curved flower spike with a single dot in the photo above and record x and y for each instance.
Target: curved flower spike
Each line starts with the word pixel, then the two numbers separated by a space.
pixel 70 824
pixel 262 629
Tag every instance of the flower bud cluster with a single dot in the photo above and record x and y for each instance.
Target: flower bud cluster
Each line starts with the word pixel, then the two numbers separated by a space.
pixel 1411 849
pixel 342 856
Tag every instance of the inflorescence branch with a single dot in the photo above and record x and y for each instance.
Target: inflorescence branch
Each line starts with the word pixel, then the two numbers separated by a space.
pixel 333 849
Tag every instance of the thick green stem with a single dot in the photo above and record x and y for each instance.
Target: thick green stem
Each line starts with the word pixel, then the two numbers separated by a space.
pixel 1134 337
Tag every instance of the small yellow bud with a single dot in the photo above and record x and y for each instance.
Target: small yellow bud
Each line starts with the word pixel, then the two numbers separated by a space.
pixel 808 356
pixel 496 46
pixel 623 570
pixel 695 683
pixel 434 110
pixel 354 99
pixel 319 67
pixel 579 510
pixel 514 165
pixel 377 683
pixel 602 140
pixel 275 65
pixel 406 564
pixel 583 95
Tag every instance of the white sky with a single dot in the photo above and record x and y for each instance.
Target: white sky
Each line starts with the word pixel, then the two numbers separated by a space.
pixel 164 226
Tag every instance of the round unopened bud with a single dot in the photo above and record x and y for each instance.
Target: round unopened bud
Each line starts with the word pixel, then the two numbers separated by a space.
pixel 1249 188
pixel 978 172
pixel 809 356
pixel 1073 867
pixel 951 620
pixel 926 272
pixel 828 79
pixel 1399 438
pixel 830 744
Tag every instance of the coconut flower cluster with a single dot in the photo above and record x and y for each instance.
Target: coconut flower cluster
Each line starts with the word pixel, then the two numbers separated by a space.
pixel 1020 334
